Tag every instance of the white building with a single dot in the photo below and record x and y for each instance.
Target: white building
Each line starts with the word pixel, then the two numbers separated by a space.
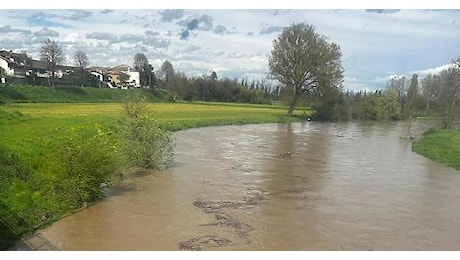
pixel 134 77
pixel 4 64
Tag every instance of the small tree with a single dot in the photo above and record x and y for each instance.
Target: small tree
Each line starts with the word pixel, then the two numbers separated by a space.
pixel 143 143
pixel 82 61
pixel 305 61
pixel 52 53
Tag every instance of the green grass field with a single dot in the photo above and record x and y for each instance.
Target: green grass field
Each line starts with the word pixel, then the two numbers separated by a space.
pixel 442 146
pixel 172 116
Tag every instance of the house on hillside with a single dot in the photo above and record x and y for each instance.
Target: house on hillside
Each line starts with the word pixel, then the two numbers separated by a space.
pixel 121 76
pixel 19 65
pixel 14 64
pixel 134 76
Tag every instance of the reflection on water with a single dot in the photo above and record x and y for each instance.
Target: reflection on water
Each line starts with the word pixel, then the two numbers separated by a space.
pixel 303 186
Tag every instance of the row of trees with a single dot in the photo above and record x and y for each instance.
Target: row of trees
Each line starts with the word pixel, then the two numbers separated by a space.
pixel 177 85
pixel 441 93
pixel 309 67
pixel 403 98
pixel 51 52
pixel 174 84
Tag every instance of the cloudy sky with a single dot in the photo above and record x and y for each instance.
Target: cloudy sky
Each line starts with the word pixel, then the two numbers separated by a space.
pixel 375 43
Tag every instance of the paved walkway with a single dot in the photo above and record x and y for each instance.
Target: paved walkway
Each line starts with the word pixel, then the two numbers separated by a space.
pixel 35 242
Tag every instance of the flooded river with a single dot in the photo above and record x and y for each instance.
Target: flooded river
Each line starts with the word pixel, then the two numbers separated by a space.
pixel 302 186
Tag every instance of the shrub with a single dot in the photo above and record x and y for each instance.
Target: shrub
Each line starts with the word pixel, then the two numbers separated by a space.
pixel 143 143
pixel 86 159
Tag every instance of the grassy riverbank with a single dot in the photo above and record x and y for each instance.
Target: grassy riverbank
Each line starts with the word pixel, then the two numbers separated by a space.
pixel 43 94
pixel 442 146
pixel 31 135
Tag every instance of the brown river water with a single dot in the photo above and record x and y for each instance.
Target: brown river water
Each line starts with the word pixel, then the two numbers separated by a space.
pixel 301 186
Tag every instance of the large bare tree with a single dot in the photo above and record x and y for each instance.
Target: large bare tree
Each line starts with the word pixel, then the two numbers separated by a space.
pixel 167 70
pixel 430 90
pixel 169 77
pixel 82 61
pixel 52 53
pixel 412 95
pixel 449 95
pixel 304 61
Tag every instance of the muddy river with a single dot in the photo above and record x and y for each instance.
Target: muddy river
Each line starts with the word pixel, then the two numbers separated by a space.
pixel 303 186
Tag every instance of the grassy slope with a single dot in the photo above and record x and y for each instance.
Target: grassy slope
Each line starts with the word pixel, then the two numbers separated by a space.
pixel 442 146
pixel 34 94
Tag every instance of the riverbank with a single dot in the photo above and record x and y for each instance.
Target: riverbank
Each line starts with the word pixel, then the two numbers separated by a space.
pixel 232 191
pixel 31 133
pixel 442 146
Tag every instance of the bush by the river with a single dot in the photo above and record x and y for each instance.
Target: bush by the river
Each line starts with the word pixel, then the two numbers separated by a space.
pixel 143 143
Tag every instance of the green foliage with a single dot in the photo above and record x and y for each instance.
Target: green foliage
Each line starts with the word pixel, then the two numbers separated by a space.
pixel 358 106
pixel 143 143
pixel 11 93
pixel 23 207
pixel 67 94
pixel 334 109
pixel 390 105
pixel 305 61
pixel 86 158
pixel 11 168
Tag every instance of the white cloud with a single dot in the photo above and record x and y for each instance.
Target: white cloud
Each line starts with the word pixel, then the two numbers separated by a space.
pixel 374 45
pixel 46 33
pixel 431 71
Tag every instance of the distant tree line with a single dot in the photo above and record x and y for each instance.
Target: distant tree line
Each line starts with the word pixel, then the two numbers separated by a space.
pixel 307 70
pixel 435 95
pixel 211 88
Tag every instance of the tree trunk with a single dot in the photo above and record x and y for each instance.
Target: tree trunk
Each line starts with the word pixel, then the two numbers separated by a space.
pixel 293 102
pixel 81 76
